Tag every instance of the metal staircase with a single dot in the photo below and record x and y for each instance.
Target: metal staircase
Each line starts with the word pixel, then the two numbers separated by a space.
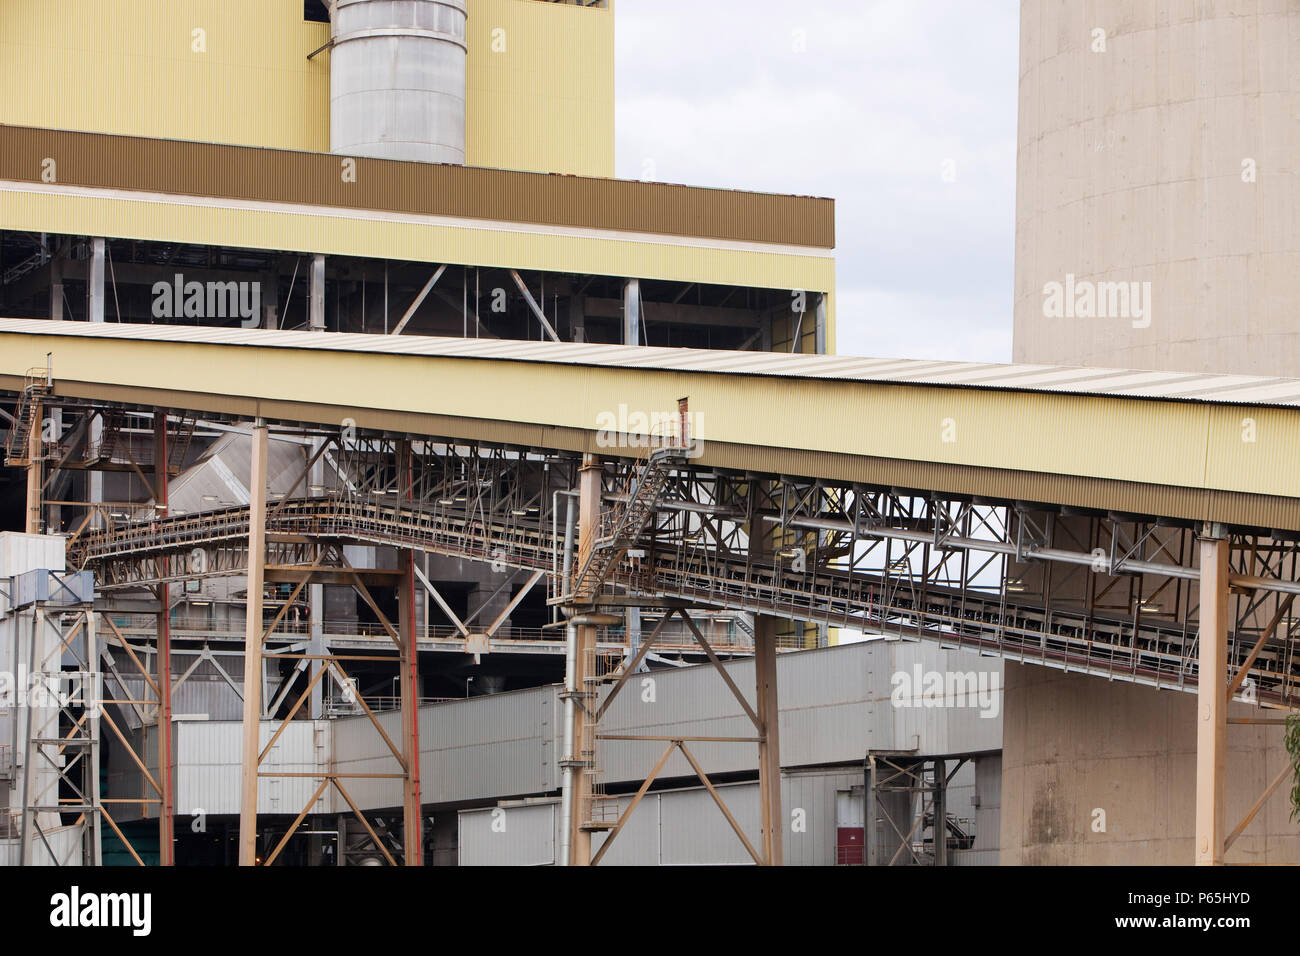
pixel 36 386
pixel 627 523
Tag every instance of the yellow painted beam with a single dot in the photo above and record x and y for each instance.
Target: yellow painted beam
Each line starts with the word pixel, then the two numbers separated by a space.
pixel 1166 444
pixel 334 231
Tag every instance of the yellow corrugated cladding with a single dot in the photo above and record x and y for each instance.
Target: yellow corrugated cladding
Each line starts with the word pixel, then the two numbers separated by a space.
pixel 137 67
pixel 544 102
pixel 540 88
pixel 471 244
pixel 1172 444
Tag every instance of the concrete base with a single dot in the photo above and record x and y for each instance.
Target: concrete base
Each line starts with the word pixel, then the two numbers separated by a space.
pixel 1074 745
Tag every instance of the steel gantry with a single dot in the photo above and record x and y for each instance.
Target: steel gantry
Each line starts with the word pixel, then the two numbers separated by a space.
pixel 1131 597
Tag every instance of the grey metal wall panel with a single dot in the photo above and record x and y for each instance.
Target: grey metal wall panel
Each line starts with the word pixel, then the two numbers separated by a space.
pixel 695 831
pixel 27 552
pixel 640 842
pixel 685 827
pixel 508 836
pixel 835 705
pixel 814 793
pixel 484 747
pixel 208 766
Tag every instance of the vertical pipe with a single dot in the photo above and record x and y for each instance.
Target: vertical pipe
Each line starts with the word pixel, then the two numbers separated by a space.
pixel 95 291
pixel 570 673
pixel 35 470
pixel 767 708
pixel 56 415
pixel 316 600
pixel 769 746
pixel 270 296
pixel 252 722
pixel 584 642
pixel 1211 699
pixel 166 780
pixel 819 337
pixel 56 286
pixel 632 312
pixel 413 840
pixel 93 667
pixel 870 845
pixel 940 813
pixel 568 758
pixel 317 318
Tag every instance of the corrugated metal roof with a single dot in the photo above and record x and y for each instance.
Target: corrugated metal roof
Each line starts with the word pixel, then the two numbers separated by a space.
pixel 1064 379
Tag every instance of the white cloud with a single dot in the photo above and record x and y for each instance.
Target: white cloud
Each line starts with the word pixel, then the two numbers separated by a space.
pixel 716 94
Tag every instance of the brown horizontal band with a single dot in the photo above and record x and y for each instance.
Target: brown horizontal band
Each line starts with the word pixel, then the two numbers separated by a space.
pixel 104 161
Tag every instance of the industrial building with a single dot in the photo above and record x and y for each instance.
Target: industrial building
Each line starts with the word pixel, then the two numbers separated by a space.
pixel 387 484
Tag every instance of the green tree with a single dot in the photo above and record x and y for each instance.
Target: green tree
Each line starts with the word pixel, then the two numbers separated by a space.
pixel 1293 748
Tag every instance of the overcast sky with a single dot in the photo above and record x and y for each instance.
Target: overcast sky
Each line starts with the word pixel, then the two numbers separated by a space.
pixel 865 102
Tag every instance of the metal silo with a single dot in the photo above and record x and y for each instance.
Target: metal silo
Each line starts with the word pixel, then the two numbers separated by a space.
pixel 1158 144
pixel 397 79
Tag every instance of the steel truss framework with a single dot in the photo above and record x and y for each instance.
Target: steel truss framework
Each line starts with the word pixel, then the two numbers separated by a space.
pixel 1109 594
pixel 61 711
pixel 909 795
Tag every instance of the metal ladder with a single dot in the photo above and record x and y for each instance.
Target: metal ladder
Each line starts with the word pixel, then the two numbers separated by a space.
pixel 36 386
pixel 628 525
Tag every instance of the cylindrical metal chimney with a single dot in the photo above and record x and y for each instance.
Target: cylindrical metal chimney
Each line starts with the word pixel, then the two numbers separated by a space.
pixel 397 79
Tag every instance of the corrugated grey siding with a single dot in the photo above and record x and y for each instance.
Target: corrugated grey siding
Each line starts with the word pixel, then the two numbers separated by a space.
pixel 484 747
pixel 674 827
pixel 509 836
pixel 835 705
pixel 207 775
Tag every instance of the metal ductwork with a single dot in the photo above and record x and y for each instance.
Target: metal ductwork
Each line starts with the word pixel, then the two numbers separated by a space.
pixel 397 79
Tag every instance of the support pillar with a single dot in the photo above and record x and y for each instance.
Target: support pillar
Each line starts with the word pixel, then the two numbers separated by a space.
pixel 270 297
pixel 578 318
pixel 632 312
pixel 56 315
pixel 95 296
pixel 940 813
pixel 1211 700
pixel 35 471
pixel 581 761
pixel 769 747
pixel 56 286
pixel 413 838
pixel 772 821
pixel 317 317
pixel 316 603
pixel 819 338
pixel 253 649
pixel 166 779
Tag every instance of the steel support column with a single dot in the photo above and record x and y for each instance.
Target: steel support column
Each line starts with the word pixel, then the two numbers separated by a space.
pixel 166 778
pixel 766 706
pixel 316 316
pixel 253 648
pixel 1212 702
pixel 583 735
pixel 769 747
pixel 35 471
pixel 95 294
pixel 632 312
pixel 413 840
